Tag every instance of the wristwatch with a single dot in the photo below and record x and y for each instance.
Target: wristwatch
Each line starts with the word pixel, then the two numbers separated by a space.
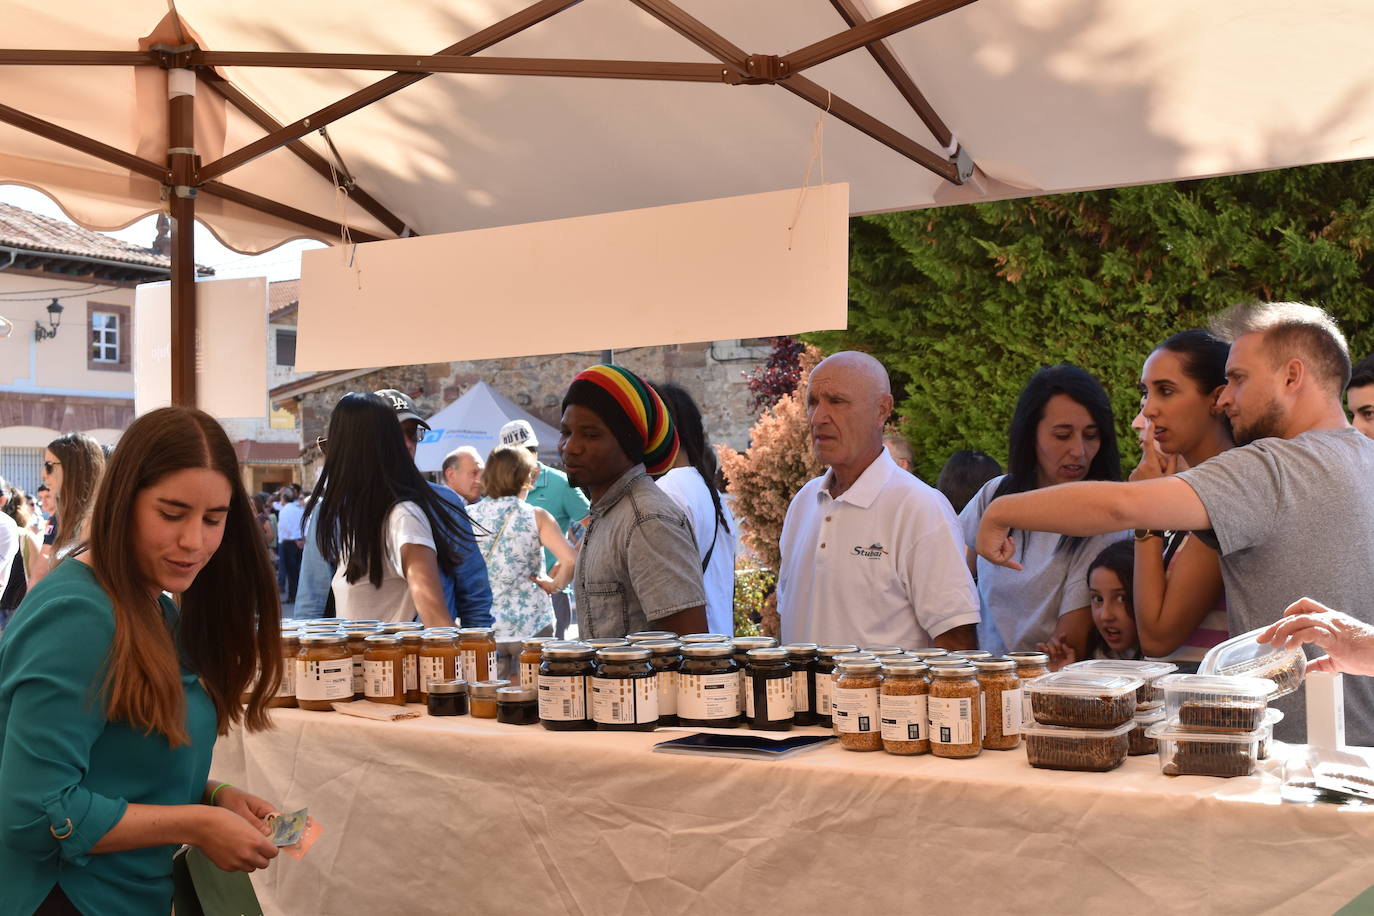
pixel 1144 534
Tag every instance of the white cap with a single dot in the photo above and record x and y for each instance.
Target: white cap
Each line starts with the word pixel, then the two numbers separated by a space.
pixel 519 434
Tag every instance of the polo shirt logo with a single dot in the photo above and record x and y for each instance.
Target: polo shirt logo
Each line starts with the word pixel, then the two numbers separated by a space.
pixel 872 551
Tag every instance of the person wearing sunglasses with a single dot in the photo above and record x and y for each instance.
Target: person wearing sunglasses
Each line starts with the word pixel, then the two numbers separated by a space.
pixel 72 465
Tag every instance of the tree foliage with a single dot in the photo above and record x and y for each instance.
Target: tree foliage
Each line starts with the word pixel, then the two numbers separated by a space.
pixel 963 303
pixel 778 375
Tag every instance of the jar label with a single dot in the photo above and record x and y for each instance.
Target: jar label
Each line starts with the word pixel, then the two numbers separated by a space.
pixel 905 718
pixel 777 699
pixel 379 678
pixel 287 687
pixel 951 720
pixel 562 699
pixel 801 699
pixel 331 679
pixel 708 696
pixel 434 668
pixel 624 700
pixel 471 661
pixel 825 683
pixel 1026 708
pixel 411 671
pixel 357 674
pixel 1011 711
pixel 983 711
pixel 667 692
pixel 855 709
pixel 746 687
pixel 529 674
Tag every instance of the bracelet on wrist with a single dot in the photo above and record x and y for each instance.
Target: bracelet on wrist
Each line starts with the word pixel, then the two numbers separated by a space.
pixel 215 791
pixel 1144 534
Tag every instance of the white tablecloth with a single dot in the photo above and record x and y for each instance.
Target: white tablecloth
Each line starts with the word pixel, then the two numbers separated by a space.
pixel 471 816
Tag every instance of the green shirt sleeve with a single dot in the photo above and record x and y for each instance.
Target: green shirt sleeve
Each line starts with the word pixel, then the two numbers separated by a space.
pixel 51 671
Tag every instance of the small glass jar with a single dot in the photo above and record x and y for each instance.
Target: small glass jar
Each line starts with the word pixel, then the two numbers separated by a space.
pixel 947 661
pixel 482 698
pixel 518 705
pixel 854 703
pixel 708 686
pixel 410 665
pixel 1029 666
pixel 437 660
pixel 607 642
pixel 902 707
pixel 624 693
pixel 324 671
pixel 971 654
pixel 666 658
pixel 477 653
pixel 956 726
pixel 802 657
pixel 384 670
pixel 768 706
pixel 401 626
pixel 1001 702
pixel 286 687
pixel 703 638
pixel 447 698
pixel 741 645
pixel 884 652
pixel 824 667
pixel 563 675
pixel 650 636
pixel 531 654
pixel 925 655
pixel 356 634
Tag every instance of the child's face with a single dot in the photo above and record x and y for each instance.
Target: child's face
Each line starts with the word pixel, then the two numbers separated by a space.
pixel 1109 603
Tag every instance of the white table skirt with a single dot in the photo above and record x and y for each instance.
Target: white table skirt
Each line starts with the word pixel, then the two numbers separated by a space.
pixel 471 816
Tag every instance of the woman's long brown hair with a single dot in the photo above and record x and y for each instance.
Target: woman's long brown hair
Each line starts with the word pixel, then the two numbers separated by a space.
pixel 230 615
pixel 83 460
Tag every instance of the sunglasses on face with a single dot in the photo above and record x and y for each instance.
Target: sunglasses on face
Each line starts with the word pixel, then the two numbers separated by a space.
pixel 49 465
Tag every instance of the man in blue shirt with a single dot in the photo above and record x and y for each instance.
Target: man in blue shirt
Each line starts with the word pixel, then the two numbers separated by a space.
pixel 467 591
pixel 553 493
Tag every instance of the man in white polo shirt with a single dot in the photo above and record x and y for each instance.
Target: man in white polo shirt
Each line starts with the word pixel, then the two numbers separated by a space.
pixel 871 555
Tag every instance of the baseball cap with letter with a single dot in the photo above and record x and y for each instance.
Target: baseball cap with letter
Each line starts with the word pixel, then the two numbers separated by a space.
pixel 518 434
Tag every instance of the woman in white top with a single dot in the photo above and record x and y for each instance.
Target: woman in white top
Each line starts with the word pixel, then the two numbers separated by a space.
pixel 378 519
pixel 691 484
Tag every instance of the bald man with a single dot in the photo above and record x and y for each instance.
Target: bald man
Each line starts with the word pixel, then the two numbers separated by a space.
pixel 871 555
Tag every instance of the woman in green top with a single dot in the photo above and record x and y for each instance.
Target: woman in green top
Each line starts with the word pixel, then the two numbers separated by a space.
pixel 111 693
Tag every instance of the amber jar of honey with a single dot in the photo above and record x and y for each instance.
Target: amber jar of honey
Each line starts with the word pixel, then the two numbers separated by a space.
pixel 477 654
pixel 437 660
pixel 324 671
pixel 384 670
pixel 286 687
pixel 531 655
pixel 410 664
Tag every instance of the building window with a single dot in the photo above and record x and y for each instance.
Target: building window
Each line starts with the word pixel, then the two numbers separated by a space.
pixel 286 348
pixel 110 337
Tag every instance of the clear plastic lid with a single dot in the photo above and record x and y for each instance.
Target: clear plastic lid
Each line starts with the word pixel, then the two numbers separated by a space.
pixel 1171 731
pixel 1134 667
pixel 1214 688
pixel 1086 734
pixel 1244 656
pixel 1084 683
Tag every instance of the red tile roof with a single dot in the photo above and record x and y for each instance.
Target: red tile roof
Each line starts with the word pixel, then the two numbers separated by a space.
pixel 283 296
pixel 20 228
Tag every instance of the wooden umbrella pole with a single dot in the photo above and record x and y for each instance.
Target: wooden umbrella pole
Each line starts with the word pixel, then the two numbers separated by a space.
pixel 181 157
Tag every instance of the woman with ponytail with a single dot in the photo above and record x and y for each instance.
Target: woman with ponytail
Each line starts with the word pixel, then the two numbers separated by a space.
pixel 120 669
pixel 691 484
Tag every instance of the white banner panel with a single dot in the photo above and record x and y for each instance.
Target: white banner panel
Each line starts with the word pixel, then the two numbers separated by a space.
pixel 710 270
pixel 231 347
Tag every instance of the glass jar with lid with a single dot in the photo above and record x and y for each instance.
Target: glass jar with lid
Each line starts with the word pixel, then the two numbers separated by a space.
pixel 956 726
pixel 801 656
pixel 708 686
pixel 384 670
pixel 1000 695
pixel 482 698
pixel 477 654
pixel 971 654
pixel 854 702
pixel 666 658
pixel 650 636
pixel 624 693
pixel 531 654
pixel 357 632
pixel 564 673
pixel 884 652
pixel 902 707
pixel 410 665
pixel 740 646
pixel 437 659
pixel 925 655
pixel 606 642
pixel 825 678
pixel 286 687
pixel 517 705
pixel 447 698
pixel 768 705
pixel 704 638
pixel 324 671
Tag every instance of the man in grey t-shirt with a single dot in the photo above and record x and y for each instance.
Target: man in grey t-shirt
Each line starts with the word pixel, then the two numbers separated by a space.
pixel 1289 511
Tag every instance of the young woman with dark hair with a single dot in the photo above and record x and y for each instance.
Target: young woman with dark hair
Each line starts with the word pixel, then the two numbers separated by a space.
pixel 1062 431
pixel 1114 633
pixel 112 692
pixel 72 465
pixel 381 526
pixel 691 483
pixel 1180 602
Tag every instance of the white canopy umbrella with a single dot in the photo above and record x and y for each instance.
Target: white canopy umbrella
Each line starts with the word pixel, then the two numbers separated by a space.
pixel 475 419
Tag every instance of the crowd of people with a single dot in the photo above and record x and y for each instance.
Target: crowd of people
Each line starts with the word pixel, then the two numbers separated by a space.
pixel 153 609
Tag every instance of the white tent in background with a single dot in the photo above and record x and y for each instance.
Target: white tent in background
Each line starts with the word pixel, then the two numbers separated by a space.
pixel 475 419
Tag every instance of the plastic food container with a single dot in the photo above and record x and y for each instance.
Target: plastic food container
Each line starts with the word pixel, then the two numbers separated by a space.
pixel 1053 747
pixel 1142 743
pixel 1271 718
pixel 1215 703
pixel 1242 656
pixel 1187 752
pixel 1083 699
pixel 1148 694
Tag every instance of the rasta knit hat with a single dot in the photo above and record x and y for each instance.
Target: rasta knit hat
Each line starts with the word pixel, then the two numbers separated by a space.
pixel 633 412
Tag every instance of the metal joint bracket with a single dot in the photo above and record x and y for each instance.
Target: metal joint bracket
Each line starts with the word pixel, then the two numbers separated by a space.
pixel 181 151
pixel 184 191
pixel 963 165
pixel 173 57
pixel 766 68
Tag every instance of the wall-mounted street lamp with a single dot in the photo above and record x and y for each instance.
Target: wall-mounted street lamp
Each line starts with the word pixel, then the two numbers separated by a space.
pixel 41 333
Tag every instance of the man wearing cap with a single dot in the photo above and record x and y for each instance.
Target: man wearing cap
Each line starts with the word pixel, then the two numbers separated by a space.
pixel 639 568
pixel 555 495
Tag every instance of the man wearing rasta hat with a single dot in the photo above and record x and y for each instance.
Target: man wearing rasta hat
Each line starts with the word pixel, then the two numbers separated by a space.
pixel 639 562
